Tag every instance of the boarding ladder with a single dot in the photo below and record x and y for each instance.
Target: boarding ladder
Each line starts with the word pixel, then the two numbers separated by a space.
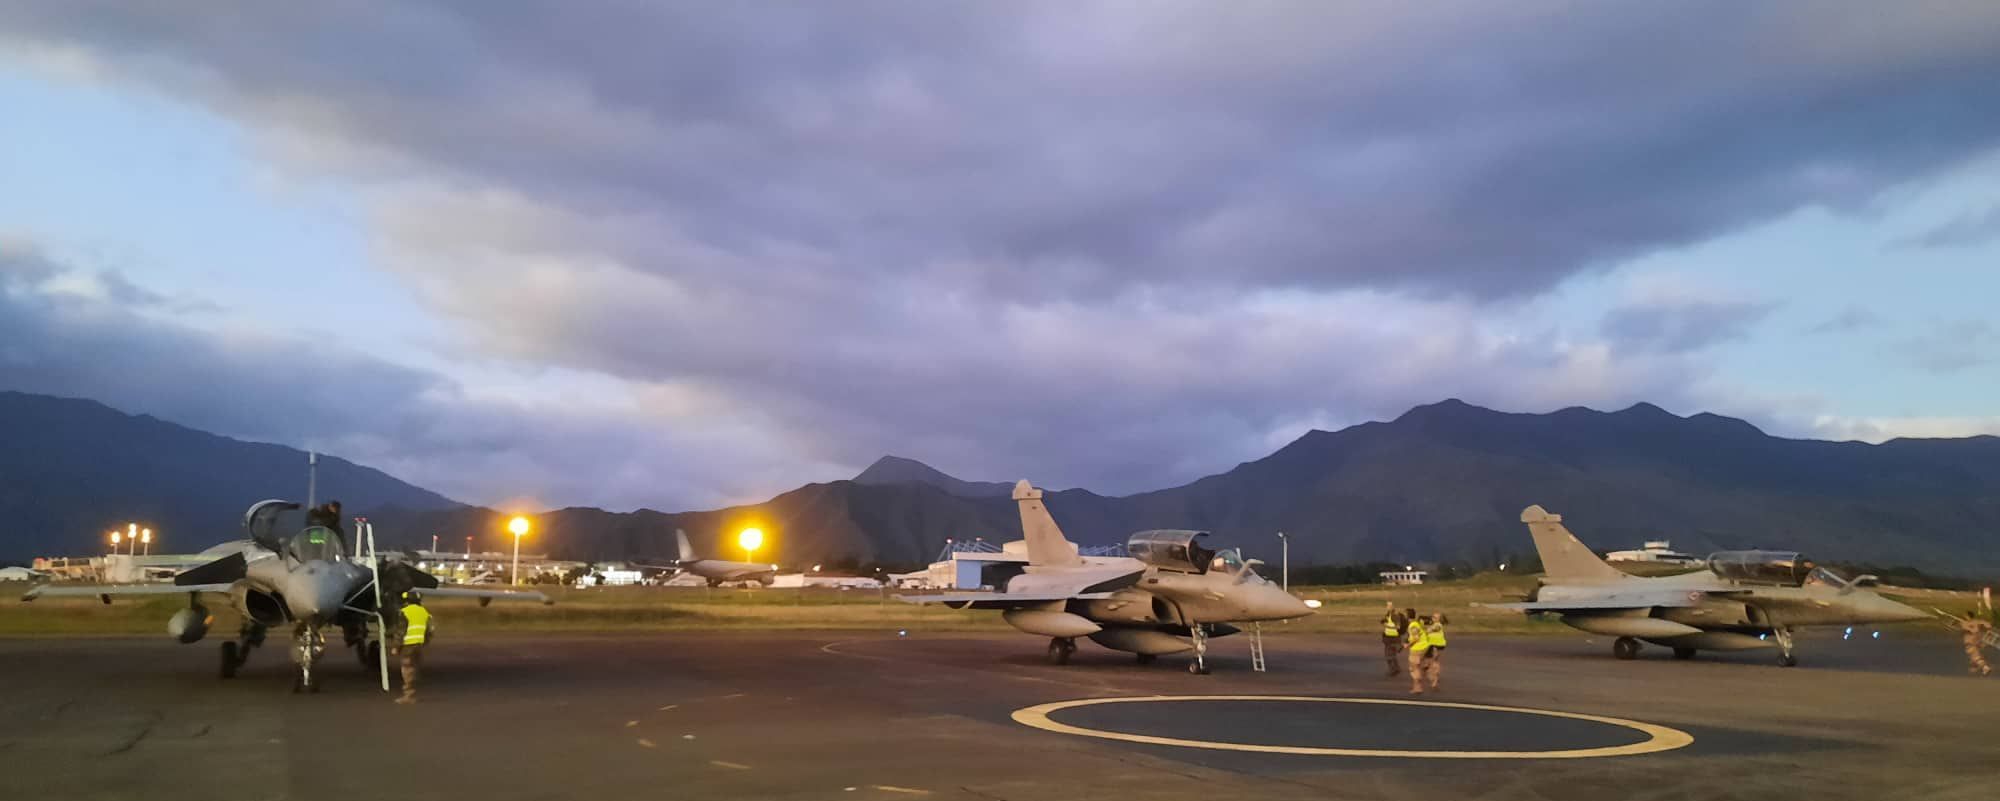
pixel 1257 647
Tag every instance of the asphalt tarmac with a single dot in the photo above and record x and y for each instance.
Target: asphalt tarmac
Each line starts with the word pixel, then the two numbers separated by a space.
pixel 877 716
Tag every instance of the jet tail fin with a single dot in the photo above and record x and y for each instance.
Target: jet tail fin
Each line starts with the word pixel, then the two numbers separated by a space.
pixel 687 551
pixel 1563 555
pixel 1046 543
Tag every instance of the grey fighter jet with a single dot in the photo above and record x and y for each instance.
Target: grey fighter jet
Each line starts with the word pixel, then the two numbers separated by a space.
pixel 308 581
pixel 1170 596
pixel 1744 600
pixel 717 571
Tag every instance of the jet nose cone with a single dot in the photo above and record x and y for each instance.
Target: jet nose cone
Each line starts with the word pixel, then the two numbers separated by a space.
pixel 1278 605
pixel 314 594
pixel 1893 611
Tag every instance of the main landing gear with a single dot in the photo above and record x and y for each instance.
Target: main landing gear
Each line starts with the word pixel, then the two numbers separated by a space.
pixel 1625 648
pixel 1060 648
pixel 236 652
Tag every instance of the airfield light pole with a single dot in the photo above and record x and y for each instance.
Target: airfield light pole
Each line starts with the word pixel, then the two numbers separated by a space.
pixel 434 543
pixel 1285 561
pixel 146 538
pixel 751 539
pixel 519 526
pixel 115 538
pixel 131 538
pixel 468 547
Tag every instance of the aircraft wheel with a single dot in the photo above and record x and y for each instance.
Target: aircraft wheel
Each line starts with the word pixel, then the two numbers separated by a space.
pixel 229 659
pixel 1625 648
pixel 371 657
pixel 1787 660
pixel 1060 649
pixel 1147 659
pixel 1197 668
pixel 1683 653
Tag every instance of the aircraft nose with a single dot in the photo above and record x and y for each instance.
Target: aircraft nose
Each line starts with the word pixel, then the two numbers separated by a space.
pixel 314 594
pixel 1276 604
pixel 1895 612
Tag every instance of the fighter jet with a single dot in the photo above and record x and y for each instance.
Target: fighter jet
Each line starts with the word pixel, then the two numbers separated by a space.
pixel 307 582
pixel 1170 596
pixel 1744 600
pixel 717 570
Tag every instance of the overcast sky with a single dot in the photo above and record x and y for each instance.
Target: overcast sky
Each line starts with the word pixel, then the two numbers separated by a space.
pixel 681 255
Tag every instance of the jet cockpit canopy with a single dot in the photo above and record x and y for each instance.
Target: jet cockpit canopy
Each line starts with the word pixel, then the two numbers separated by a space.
pixel 1171 549
pixel 317 543
pixel 1787 568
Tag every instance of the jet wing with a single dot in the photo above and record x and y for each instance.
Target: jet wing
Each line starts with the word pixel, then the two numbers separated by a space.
pixel 105 591
pixel 487 596
pixel 1000 600
pixel 1611 600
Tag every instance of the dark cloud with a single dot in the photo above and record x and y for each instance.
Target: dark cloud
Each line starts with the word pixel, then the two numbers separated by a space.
pixel 1972 228
pixel 1683 323
pixel 415 424
pixel 1050 149
pixel 1124 244
pixel 1953 346
pixel 1852 318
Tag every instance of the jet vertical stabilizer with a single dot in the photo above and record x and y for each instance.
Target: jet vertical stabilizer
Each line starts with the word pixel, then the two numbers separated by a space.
pixel 1046 543
pixel 687 551
pixel 1564 557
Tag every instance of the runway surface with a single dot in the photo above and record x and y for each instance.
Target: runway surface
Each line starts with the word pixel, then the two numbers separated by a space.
pixel 873 716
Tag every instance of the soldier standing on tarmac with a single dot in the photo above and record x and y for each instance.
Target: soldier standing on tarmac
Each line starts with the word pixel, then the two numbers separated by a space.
pixel 1420 653
pixel 1975 639
pixel 1392 637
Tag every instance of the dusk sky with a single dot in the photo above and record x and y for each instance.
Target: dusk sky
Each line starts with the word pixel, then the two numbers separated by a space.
pixel 679 255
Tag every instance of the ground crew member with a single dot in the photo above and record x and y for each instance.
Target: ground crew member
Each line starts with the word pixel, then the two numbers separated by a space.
pixel 1975 640
pixel 1392 637
pixel 1419 642
pixel 1434 637
pixel 417 628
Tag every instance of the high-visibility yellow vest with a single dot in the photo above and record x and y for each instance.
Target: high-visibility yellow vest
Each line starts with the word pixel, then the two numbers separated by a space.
pixel 1389 628
pixel 1434 635
pixel 1420 640
pixel 419 624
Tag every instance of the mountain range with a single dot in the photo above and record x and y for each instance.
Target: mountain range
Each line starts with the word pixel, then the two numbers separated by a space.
pixel 1443 482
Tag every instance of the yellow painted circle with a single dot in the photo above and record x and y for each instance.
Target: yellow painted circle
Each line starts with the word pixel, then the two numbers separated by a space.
pixel 1658 738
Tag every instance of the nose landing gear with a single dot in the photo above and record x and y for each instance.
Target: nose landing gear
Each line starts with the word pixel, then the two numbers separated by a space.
pixel 308 645
pixel 1199 666
pixel 1783 634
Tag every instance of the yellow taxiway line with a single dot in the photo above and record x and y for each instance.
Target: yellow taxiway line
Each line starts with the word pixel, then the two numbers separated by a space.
pixel 1658 738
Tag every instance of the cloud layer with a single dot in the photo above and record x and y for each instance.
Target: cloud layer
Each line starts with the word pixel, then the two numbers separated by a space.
pixel 1118 245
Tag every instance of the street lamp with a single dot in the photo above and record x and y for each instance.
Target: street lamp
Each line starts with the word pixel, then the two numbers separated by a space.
pixel 146 536
pixel 115 538
pixel 1285 547
pixel 132 538
pixel 751 539
pixel 518 525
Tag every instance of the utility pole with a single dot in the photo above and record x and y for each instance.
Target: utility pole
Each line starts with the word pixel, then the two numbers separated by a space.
pixel 1285 561
pixel 312 479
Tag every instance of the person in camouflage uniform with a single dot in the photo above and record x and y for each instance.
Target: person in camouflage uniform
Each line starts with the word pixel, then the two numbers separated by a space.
pixel 1975 643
